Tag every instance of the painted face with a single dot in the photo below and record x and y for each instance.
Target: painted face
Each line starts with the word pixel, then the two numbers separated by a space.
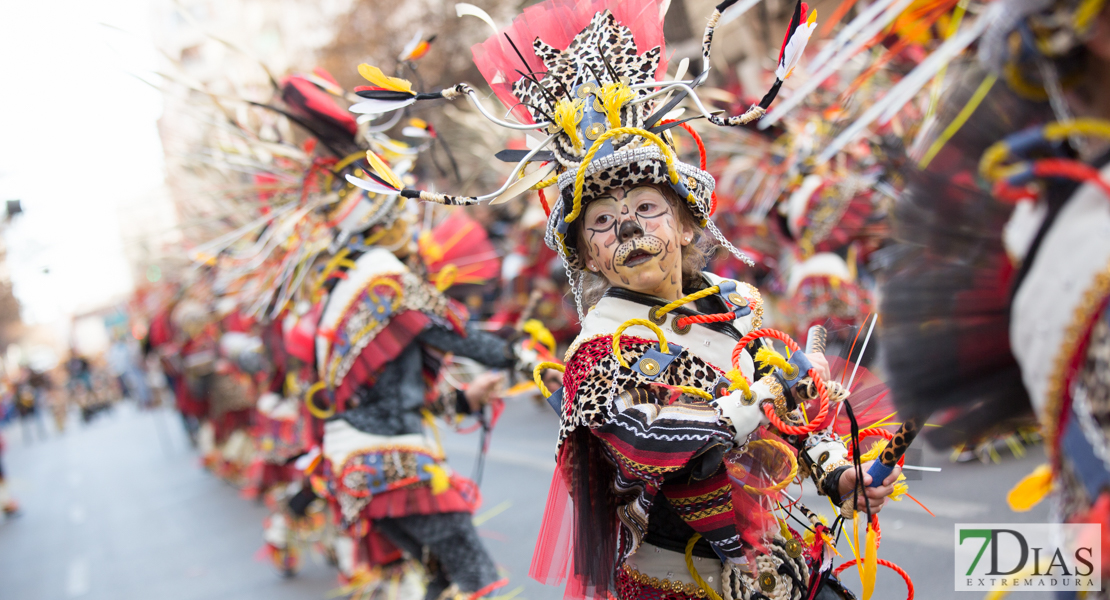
pixel 634 239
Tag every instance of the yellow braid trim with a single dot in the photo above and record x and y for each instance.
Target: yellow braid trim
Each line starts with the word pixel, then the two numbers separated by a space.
pixel 666 308
pixel 693 391
pixel 694 571
pixel 537 375
pixel 629 323
pixel 550 181
pixel 786 481
pixel 580 180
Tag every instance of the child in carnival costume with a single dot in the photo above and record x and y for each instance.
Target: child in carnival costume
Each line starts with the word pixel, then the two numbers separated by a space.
pixel 664 450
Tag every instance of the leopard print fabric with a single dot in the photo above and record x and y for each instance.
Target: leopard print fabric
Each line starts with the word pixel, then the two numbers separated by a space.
pixel 593 378
pixel 583 61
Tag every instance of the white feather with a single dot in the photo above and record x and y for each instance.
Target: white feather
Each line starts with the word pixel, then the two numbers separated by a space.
pixel 370 186
pixel 409 47
pixel 463 9
pixel 415 132
pixel 831 67
pixel 371 106
pixel 524 183
pixel 794 50
pixel 736 11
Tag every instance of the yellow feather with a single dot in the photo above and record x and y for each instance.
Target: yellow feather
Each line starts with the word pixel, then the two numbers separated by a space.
pixel 870 562
pixel 812 17
pixel 375 76
pixel 383 170
pixel 1031 489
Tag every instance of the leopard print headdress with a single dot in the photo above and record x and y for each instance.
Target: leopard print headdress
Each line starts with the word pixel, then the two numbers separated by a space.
pixel 585 74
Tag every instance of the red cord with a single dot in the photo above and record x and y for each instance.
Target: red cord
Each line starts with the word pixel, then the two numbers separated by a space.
pixel 684 321
pixel 822 391
pixel 875 431
pixel 887 564
pixel 701 159
pixel 543 202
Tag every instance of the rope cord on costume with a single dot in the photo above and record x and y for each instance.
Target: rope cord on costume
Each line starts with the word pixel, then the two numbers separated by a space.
pixel 537 375
pixel 702 161
pixel 645 323
pixel 818 382
pixel 693 391
pixel 874 431
pixel 786 480
pixel 991 165
pixel 717 318
pixel 694 570
pixel 886 563
pixel 666 308
pixel 580 179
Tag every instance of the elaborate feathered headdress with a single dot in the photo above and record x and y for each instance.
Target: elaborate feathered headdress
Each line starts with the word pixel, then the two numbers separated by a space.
pixel 586 75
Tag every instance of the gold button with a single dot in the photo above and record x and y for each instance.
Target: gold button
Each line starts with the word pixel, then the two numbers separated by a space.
pixel 594 131
pixel 793 548
pixel 738 300
pixel 649 367
pixel 585 90
pixel 691 182
pixel 767 581
pixel 598 106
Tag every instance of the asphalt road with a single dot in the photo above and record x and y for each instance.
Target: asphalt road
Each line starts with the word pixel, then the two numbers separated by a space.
pixel 120 509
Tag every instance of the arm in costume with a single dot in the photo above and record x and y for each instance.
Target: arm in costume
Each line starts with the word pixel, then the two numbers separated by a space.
pixel 475 344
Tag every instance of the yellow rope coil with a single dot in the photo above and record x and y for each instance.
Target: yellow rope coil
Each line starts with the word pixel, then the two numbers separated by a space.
pixel 666 308
pixel 693 391
pixel 786 481
pixel 992 166
pixel 580 180
pixel 316 411
pixel 694 571
pixel 629 323
pixel 537 375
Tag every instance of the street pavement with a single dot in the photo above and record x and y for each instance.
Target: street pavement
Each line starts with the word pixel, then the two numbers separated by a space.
pixel 121 509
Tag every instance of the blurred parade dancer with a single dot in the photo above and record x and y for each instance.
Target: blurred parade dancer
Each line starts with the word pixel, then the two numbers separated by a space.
pixel 1006 251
